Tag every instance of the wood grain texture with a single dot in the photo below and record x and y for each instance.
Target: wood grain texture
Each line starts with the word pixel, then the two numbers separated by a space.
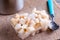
pixel 8 33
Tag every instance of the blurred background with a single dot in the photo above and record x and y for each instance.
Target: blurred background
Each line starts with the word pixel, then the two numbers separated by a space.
pixel 58 1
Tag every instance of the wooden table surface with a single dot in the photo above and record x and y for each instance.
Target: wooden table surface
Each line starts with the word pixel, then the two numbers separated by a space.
pixel 8 33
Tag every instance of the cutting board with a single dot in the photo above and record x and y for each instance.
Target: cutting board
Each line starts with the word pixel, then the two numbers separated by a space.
pixel 8 33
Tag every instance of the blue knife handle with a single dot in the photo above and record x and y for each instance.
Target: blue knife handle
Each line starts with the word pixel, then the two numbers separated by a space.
pixel 51 8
